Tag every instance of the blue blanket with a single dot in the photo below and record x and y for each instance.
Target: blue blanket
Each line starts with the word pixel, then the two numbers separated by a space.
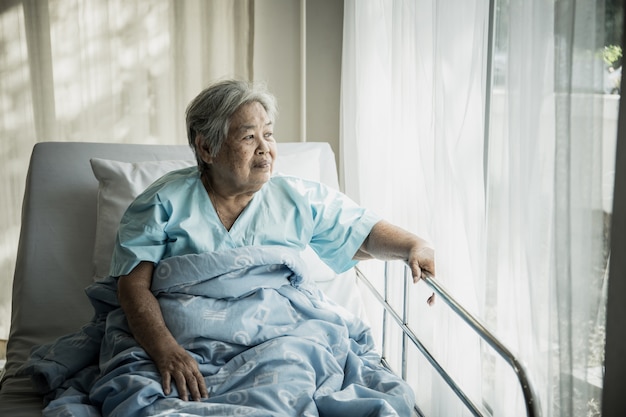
pixel 267 341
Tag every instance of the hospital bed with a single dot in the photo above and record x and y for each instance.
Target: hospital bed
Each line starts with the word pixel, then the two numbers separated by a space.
pixel 69 214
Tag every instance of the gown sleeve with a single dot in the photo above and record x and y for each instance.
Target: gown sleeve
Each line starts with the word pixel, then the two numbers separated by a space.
pixel 141 235
pixel 340 227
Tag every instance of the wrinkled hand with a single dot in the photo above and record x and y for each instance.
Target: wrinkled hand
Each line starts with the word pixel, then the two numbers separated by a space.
pixel 177 365
pixel 422 264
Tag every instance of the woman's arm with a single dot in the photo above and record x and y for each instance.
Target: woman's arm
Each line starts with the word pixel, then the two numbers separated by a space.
pixel 389 242
pixel 148 327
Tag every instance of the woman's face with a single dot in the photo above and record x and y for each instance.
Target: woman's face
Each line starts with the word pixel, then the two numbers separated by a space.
pixel 246 159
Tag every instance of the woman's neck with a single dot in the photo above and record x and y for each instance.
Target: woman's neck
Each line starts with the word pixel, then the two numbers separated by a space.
pixel 227 207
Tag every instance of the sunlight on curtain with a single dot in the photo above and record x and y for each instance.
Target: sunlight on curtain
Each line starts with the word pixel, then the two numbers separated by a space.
pixel 106 71
pixel 519 214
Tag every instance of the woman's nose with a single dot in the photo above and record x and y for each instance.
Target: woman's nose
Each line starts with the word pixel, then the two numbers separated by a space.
pixel 263 147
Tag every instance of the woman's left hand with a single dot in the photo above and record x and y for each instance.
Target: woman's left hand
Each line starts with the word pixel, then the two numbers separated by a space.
pixel 422 263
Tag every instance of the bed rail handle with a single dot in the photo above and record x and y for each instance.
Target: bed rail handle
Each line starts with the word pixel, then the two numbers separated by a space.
pixel 531 398
pixel 533 408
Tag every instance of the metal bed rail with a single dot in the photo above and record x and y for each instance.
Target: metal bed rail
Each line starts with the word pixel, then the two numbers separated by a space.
pixel 531 398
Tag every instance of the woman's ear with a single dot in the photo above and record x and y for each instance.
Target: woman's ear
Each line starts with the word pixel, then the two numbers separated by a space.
pixel 202 149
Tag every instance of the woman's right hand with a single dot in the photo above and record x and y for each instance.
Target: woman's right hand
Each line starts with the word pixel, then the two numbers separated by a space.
pixel 175 364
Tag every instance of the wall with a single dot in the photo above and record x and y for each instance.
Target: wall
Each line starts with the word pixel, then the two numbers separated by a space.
pixel 277 61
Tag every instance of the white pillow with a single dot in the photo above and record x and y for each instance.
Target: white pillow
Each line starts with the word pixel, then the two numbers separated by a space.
pixel 303 164
pixel 120 182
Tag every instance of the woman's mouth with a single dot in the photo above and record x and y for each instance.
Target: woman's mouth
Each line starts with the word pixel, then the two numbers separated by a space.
pixel 266 163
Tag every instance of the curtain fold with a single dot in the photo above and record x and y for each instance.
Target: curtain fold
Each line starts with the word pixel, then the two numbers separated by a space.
pixel 104 70
pixel 517 207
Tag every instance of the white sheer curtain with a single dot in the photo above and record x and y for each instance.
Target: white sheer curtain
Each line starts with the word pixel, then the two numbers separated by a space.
pixel 104 70
pixel 510 180
pixel 412 148
pixel 550 164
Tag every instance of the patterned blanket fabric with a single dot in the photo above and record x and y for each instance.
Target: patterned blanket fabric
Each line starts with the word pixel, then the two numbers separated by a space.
pixel 267 341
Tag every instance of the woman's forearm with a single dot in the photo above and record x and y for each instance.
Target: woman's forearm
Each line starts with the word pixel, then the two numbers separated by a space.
pixel 143 312
pixel 388 242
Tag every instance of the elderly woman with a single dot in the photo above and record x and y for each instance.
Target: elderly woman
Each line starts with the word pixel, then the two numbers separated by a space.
pixel 232 200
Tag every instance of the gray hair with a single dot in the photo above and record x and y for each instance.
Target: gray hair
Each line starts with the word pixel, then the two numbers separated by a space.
pixel 208 114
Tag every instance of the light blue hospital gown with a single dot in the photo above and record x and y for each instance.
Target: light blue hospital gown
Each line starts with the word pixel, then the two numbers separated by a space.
pixel 175 216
